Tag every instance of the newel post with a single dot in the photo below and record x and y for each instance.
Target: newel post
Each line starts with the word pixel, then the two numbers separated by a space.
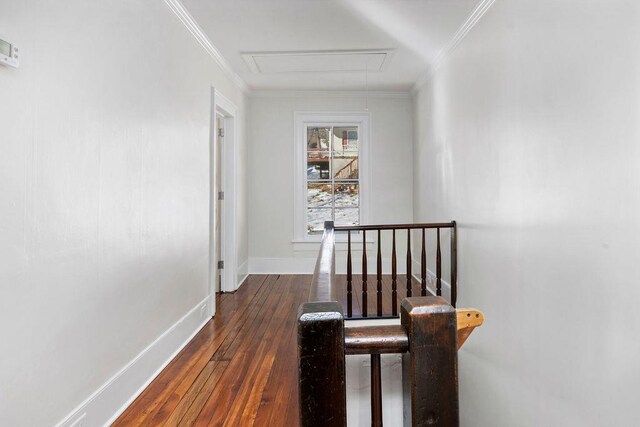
pixel 321 365
pixel 430 367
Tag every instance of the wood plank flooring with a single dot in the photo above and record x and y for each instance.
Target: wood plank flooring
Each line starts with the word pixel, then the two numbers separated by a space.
pixel 241 368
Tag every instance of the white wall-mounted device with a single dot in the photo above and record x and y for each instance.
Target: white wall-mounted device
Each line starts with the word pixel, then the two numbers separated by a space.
pixel 8 54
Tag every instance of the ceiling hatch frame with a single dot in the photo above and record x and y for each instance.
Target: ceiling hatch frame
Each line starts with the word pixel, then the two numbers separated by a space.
pixel 345 61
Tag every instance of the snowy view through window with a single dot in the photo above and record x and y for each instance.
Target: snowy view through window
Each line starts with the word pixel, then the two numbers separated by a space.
pixel 332 176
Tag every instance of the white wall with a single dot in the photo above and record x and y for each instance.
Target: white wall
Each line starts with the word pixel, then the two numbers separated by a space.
pixel 270 141
pixel 104 184
pixel 528 135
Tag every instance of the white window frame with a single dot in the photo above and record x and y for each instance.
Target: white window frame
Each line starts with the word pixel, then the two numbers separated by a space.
pixel 302 119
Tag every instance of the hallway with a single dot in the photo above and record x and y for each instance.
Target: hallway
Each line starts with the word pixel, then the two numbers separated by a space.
pixel 149 147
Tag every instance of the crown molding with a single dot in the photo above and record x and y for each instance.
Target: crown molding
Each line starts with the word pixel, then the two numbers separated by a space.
pixel 189 22
pixel 457 38
pixel 327 94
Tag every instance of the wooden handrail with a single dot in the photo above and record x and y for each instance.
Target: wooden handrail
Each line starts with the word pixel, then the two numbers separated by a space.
pixel 323 283
pixel 396 226
pixel 376 340
pixel 321 357
pixel 389 339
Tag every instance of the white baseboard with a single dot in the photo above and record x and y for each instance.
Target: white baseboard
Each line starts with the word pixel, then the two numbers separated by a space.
pixel 107 403
pixel 241 280
pixel 431 280
pixel 307 265
pixel 243 273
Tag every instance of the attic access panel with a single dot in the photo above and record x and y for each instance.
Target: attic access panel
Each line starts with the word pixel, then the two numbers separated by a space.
pixel 321 61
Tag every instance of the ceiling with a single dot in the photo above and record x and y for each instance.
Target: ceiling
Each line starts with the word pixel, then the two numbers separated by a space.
pixel 328 44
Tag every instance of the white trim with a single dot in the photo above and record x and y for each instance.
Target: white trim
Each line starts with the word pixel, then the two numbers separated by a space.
pixel 243 273
pixel 249 59
pixel 229 150
pixel 457 38
pixel 201 37
pixel 327 94
pixel 244 279
pixel 300 118
pixel 225 104
pixel 213 201
pixel 431 280
pixel 306 265
pixel 106 404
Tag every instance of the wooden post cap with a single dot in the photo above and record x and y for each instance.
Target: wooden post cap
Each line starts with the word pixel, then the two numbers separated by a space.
pixel 314 311
pixel 426 305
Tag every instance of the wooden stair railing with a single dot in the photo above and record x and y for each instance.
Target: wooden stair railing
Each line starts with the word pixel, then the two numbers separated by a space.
pixel 348 171
pixel 321 356
pixel 430 333
pixel 378 229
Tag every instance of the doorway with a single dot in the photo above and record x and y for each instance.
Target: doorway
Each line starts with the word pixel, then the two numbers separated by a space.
pixel 222 227
pixel 219 192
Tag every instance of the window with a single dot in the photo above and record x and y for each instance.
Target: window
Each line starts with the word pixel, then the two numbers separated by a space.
pixel 330 177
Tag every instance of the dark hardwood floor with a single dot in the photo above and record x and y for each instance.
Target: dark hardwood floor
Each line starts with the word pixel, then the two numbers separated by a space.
pixel 241 368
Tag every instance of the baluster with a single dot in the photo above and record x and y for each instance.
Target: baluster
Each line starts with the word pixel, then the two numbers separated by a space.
pixel 408 262
pixel 423 266
pixel 438 268
pixel 376 392
pixel 349 277
pixel 364 273
pixel 379 302
pixel 394 277
pixel 454 264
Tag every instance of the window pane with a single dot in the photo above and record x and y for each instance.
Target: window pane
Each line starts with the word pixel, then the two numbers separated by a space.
pixel 316 218
pixel 347 194
pixel 319 194
pixel 318 139
pixel 347 216
pixel 345 165
pixel 333 190
pixel 345 139
pixel 318 165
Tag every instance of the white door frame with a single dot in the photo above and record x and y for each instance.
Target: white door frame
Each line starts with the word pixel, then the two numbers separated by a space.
pixel 221 105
